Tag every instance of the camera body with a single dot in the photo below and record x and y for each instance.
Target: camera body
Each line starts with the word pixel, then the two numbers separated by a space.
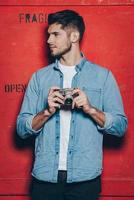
pixel 68 95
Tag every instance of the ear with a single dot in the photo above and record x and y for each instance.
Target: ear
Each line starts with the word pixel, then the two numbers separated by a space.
pixel 75 36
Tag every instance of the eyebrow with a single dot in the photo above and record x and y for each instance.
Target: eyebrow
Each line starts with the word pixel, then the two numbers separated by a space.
pixel 54 32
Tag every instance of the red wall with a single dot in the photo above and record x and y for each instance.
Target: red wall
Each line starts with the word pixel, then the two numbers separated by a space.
pixel 108 41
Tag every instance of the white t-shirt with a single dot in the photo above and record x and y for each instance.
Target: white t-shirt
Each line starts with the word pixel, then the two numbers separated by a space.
pixel 65 117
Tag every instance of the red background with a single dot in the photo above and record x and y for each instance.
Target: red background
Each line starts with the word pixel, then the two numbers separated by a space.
pixel 108 41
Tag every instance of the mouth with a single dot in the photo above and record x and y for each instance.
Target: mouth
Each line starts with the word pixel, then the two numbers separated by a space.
pixel 52 47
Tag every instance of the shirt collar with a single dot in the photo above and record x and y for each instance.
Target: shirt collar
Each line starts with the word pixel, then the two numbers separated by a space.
pixel 78 66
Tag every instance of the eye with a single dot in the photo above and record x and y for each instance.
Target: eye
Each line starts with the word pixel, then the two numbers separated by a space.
pixel 56 34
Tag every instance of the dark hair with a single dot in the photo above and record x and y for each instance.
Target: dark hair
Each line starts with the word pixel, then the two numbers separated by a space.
pixel 68 18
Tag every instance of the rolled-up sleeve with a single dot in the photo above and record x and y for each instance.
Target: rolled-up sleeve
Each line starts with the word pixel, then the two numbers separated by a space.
pixel 115 118
pixel 28 110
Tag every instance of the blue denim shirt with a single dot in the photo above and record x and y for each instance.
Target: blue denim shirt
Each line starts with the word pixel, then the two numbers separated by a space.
pixel 84 156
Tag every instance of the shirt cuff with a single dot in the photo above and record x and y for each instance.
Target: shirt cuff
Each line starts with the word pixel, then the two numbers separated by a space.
pixel 108 122
pixel 29 125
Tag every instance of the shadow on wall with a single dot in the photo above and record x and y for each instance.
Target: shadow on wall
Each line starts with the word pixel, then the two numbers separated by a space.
pixel 113 142
pixel 27 143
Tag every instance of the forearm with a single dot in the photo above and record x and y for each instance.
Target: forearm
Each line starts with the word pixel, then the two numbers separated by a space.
pixel 40 119
pixel 112 123
pixel 97 115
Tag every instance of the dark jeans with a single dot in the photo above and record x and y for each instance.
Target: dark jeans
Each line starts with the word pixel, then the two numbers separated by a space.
pixel 86 190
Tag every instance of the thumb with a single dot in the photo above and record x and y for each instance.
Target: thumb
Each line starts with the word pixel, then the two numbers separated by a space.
pixel 73 104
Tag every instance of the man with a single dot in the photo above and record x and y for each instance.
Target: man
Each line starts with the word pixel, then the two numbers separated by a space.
pixel 69 135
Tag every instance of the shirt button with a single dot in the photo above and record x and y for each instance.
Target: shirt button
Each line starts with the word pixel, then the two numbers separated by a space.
pixel 70 152
pixel 57 121
pixel 57 153
pixel 72 136
pixel 73 121
pixel 57 137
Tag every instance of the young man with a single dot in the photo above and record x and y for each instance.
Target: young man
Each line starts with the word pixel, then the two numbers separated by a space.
pixel 69 124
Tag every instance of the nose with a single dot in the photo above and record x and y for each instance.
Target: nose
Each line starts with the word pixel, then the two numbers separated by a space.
pixel 49 40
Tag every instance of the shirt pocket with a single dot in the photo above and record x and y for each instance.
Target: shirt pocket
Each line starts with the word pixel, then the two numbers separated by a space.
pixel 94 96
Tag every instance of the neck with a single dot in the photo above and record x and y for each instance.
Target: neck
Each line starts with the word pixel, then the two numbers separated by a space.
pixel 71 58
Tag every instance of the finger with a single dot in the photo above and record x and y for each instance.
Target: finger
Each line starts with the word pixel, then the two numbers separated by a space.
pixel 76 90
pixel 56 99
pixel 52 89
pixel 79 104
pixel 78 98
pixel 57 94
pixel 79 101
pixel 73 104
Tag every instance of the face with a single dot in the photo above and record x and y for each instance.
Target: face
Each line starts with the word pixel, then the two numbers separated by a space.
pixel 59 40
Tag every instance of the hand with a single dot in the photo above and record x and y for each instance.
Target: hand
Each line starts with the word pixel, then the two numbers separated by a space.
pixel 81 101
pixel 55 99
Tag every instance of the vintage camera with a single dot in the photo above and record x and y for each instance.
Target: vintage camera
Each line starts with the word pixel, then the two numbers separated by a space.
pixel 68 97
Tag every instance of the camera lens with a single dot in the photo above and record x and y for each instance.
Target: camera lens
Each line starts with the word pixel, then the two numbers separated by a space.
pixel 68 101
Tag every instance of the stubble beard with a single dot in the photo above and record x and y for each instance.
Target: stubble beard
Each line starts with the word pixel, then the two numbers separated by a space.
pixel 62 53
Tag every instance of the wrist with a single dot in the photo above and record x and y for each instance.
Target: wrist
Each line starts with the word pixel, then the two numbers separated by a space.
pixel 92 111
pixel 47 113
